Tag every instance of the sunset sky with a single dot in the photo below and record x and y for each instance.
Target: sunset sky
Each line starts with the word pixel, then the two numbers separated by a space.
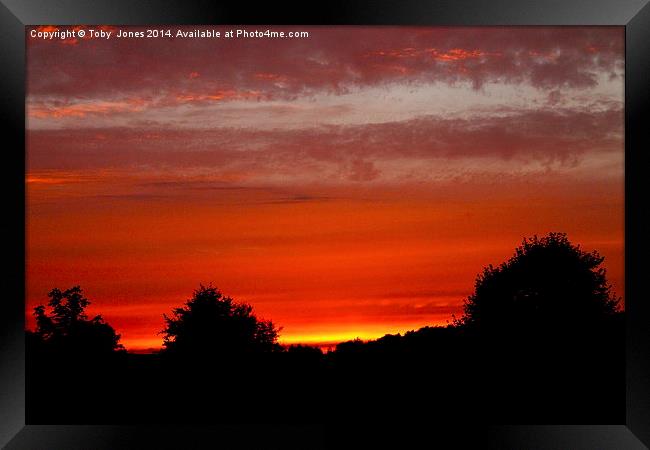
pixel 348 184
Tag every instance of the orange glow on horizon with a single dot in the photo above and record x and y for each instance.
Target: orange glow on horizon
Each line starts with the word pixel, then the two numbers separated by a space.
pixel 360 331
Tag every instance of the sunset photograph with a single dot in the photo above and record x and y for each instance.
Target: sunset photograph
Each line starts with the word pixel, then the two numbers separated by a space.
pixel 324 223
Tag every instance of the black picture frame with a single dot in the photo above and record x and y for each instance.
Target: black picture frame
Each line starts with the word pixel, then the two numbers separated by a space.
pixel 634 15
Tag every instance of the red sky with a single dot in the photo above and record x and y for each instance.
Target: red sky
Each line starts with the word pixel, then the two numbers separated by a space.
pixel 352 183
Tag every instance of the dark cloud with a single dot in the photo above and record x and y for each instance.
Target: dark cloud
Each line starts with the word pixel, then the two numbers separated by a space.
pixel 331 59
pixel 129 196
pixel 551 135
pixel 298 199
pixel 199 185
pixel 363 171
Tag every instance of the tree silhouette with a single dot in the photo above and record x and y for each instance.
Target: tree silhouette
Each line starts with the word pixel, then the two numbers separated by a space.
pixel 212 323
pixel 66 328
pixel 548 282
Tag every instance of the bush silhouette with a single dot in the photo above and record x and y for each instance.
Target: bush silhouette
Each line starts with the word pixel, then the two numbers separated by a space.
pixel 211 323
pixel 548 283
pixel 307 350
pixel 67 329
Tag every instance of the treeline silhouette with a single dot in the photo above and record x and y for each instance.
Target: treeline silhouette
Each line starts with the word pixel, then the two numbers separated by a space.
pixel 541 340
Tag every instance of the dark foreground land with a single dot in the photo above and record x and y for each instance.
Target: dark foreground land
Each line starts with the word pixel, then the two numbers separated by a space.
pixel 435 374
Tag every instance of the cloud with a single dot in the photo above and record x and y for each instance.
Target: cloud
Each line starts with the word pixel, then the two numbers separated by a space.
pixel 296 199
pixel 363 171
pixel 82 109
pixel 200 184
pixel 331 59
pixel 424 148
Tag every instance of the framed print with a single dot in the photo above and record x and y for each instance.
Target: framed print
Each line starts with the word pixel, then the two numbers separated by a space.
pixel 292 226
